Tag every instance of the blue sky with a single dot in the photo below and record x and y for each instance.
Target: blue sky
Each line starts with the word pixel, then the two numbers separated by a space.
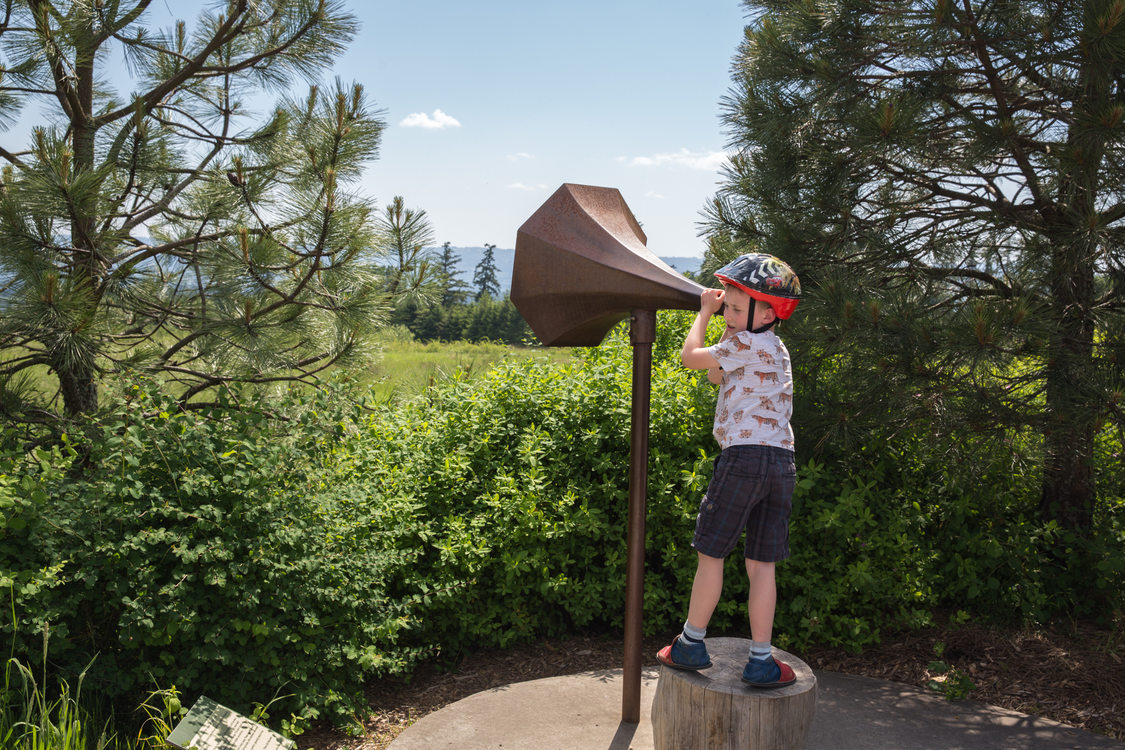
pixel 491 105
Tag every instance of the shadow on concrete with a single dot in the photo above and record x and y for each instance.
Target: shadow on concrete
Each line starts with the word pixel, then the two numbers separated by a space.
pixel 623 739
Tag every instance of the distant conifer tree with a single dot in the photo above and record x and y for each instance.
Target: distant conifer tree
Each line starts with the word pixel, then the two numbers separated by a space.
pixel 454 291
pixel 484 276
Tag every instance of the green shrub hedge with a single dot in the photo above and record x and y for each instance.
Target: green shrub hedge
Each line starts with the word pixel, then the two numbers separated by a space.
pixel 300 545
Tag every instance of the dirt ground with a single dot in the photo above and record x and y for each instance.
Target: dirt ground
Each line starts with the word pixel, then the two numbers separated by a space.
pixel 1074 676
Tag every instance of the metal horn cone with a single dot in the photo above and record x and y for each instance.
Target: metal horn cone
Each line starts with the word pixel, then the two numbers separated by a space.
pixel 581 266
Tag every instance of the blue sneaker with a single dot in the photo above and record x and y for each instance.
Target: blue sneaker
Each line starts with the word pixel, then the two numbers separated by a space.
pixel 768 673
pixel 684 655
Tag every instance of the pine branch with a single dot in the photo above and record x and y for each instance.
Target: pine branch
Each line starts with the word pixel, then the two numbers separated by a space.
pixel 268 54
pixel 13 158
pixel 113 30
pixel 206 381
pixel 28 90
pixel 12 366
pixel 228 30
pixel 64 92
pixel 163 206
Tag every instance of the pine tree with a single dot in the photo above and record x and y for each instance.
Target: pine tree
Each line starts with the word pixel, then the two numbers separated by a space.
pixel 484 275
pixel 403 235
pixel 168 228
pixel 454 290
pixel 947 178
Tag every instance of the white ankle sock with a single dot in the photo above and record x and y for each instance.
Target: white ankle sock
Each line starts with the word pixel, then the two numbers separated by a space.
pixel 694 634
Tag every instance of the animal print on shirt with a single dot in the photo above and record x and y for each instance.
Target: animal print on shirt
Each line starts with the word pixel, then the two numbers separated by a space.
pixel 755 400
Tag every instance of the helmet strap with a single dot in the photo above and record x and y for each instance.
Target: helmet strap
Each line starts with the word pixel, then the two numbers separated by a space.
pixel 766 327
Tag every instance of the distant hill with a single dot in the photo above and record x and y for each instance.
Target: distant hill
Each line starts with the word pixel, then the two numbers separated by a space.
pixel 505 261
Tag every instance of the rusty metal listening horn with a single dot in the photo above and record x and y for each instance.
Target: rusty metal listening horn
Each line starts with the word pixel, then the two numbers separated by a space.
pixel 581 267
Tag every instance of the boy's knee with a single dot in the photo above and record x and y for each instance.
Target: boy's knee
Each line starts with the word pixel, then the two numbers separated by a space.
pixel 757 567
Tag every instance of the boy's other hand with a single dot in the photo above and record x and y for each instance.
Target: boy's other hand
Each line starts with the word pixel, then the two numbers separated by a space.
pixel 710 301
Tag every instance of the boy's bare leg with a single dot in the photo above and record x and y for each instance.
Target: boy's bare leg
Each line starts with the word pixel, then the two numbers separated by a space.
pixel 763 599
pixel 762 669
pixel 687 650
pixel 705 591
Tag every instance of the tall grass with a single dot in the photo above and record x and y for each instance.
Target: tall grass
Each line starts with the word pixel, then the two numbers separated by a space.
pixel 32 717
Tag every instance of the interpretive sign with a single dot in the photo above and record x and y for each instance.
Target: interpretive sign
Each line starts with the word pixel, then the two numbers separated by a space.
pixel 209 726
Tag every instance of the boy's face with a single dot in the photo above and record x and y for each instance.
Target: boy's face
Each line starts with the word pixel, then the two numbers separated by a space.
pixel 742 312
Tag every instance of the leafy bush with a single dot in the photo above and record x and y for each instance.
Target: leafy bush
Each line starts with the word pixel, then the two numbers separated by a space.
pixel 991 553
pixel 521 481
pixel 857 566
pixel 209 551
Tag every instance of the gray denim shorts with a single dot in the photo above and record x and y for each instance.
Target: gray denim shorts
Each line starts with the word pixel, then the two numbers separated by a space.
pixel 752 491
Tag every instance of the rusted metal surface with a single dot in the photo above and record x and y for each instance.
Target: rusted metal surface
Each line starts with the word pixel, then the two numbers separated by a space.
pixel 582 266
pixel 642 332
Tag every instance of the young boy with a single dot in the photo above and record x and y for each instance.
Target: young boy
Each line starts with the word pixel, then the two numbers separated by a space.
pixel 752 487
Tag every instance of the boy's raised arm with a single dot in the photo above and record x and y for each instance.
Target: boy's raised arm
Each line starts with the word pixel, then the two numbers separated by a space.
pixel 694 354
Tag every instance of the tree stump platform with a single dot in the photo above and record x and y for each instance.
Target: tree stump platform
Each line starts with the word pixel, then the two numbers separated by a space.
pixel 716 710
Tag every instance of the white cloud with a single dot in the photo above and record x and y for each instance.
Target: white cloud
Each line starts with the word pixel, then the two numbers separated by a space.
pixel 710 161
pixel 527 188
pixel 437 121
pixel 520 156
pixel 654 194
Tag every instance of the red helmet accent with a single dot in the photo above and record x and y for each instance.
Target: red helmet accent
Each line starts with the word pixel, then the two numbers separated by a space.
pixel 766 278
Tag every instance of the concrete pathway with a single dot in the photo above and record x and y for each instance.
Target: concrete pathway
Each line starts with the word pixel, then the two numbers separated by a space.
pixel 582 712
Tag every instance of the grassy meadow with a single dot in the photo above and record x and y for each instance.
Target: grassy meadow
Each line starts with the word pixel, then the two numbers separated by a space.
pixel 403 368
pixel 407 368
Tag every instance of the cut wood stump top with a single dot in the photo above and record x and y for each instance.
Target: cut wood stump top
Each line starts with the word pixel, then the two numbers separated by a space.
pixel 728 657
pixel 713 709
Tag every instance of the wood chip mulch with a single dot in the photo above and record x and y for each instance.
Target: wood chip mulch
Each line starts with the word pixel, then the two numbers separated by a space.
pixel 1075 677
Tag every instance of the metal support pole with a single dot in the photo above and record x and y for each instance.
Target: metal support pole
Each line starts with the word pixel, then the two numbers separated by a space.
pixel 642 332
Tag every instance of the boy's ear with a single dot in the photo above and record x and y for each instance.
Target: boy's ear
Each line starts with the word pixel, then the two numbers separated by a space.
pixel 769 309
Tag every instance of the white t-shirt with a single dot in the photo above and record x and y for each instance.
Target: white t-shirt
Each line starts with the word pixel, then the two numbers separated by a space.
pixel 756 397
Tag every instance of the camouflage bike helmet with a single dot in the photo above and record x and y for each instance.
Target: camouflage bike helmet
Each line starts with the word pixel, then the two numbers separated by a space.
pixel 766 278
